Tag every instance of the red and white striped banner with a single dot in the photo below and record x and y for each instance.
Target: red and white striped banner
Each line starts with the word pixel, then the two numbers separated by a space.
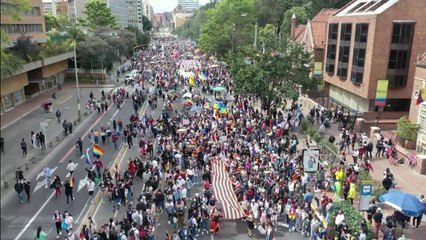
pixel 223 191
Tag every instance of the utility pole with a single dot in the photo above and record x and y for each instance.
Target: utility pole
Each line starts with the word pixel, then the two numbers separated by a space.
pixel 255 35
pixel 75 66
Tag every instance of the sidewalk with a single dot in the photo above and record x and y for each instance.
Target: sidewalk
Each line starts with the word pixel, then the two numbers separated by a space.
pixel 20 121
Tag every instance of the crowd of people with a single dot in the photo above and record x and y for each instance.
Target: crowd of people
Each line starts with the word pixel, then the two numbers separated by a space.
pixel 260 151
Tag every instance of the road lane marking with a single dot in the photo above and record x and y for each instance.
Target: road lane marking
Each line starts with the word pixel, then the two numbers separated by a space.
pixel 82 211
pixel 62 102
pixel 84 135
pixel 96 199
pixel 34 217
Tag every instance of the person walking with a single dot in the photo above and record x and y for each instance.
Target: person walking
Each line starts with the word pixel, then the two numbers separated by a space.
pixel 68 191
pixel 19 188
pixel 79 145
pixel 27 188
pixel 70 127
pixel 57 185
pixel 58 115
pixel 19 174
pixel 40 234
pixel 65 127
pixel 47 175
pixel 2 144
pixel 24 148
pixel 377 218
pixel 91 189
pixel 42 139
pixel 57 219
pixel 71 167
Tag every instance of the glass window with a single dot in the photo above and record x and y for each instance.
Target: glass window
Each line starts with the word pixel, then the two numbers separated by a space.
pixel 19 96
pixel 345 32
pixel 7 101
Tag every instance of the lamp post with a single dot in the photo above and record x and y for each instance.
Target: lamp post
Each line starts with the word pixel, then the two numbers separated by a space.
pixel 75 65
pixel 255 31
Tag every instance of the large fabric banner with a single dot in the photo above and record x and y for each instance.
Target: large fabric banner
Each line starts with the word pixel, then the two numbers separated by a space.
pixel 381 93
pixel 224 193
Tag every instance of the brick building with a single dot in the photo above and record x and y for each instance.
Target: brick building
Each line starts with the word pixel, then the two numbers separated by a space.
pixel 313 36
pixel 418 102
pixel 369 41
pixel 37 76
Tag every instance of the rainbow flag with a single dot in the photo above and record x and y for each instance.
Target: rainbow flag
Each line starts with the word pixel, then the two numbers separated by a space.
pixel 72 181
pixel 203 76
pixel 97 151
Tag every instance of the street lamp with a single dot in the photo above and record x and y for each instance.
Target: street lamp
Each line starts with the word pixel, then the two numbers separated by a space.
pixel 255 31
pixel 75 65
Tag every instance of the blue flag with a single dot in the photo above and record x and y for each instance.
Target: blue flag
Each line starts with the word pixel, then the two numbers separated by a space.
pixel 88 157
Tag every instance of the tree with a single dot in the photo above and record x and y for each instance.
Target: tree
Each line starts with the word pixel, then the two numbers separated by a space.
pixel 142 39
pixel 9 62
pixel 96 53
pixel 147 26
pixel 271 76
pixel 301 14
pixel 229 25
pixel 98 14
pixel 26 49
pixel 51 22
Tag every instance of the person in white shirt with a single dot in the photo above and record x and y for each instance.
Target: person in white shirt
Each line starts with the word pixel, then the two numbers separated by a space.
pixel 71 167
pixel 91 188
pixel 339 218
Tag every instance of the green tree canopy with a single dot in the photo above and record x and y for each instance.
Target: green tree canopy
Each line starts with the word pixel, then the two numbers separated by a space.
pixel 271 76
pixel 51 22
pixel 147 25
pixel 98 14
pixel 301 14
pixel 229 25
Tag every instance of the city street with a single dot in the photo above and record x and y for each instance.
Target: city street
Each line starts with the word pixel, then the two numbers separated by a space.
pixel 20 221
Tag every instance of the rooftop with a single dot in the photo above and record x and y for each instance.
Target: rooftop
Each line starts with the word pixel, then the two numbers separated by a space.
pixel 365 7
pixel 319 26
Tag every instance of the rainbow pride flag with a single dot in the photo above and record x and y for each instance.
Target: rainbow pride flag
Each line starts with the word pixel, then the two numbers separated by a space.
pixel 97 151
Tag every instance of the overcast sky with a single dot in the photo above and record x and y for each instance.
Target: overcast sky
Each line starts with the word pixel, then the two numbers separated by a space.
pixel 167 5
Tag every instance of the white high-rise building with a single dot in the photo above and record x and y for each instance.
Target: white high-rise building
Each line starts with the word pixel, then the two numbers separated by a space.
pixel 119 9
pixel 189 5
pixel 49 6
pixel 135 13
pixel 148 10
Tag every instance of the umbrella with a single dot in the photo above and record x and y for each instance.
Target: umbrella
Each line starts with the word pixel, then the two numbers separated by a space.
pixel 187 95
pixel 196 109
pixel 407 203
pixel 182 130
pixel 187 103
pixel 218 88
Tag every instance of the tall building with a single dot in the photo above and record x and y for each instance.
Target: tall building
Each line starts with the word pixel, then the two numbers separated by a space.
pixel 148 10
pixel 189 5
pixel 372 40
pixel 56 7
pixel 135 13
pixel 313 36
pixel 418 102
pixel 118 8
pixel 36 76
pixel 75 9
pixel 49 7
pixel 31 22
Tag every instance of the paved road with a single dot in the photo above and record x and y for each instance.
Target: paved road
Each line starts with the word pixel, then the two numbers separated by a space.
pixel 66 103
pixel 20 221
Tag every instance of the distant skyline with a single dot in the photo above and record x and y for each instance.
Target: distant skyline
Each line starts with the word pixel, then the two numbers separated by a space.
pixel 167 5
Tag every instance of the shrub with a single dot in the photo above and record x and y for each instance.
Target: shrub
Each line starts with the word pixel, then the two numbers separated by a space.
pixel 352 216
pixel 407 130
pixel 332 147
pixel 305 124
